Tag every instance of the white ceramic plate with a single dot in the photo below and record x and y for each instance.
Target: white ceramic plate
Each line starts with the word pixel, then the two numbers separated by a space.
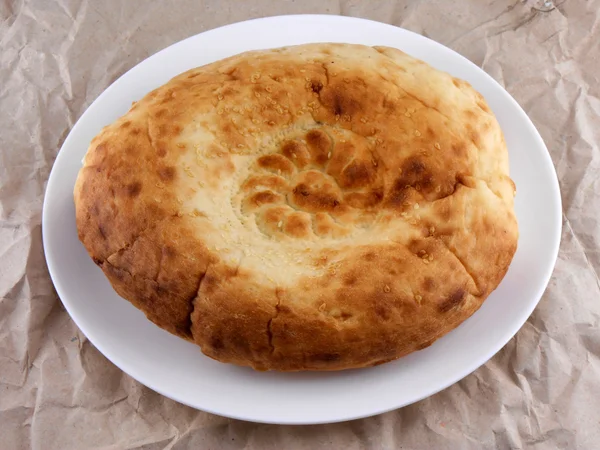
pixel 178 369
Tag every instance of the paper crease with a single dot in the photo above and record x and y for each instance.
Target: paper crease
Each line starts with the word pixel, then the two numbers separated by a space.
pixel 58 392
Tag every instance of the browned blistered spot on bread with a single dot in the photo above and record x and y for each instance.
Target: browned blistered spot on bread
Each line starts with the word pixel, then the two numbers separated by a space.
pixel 344 98
pixel 357 174
pixel 325 357
pixel 134 189
pixel 262 198
pixel 276 164
pixel 350 278
pixel 160 113
pixel 298 225
pixel 319 146
pixel 166 173
pixel 453 300
pixel 429 284
pixel 296 152
pixel 370 256
pixel 415 173
pixel 316 86
pixel 216 343
pixel 314 200
pixel 383 311
pixel 161 151
pixel 399 195
pixel 430 134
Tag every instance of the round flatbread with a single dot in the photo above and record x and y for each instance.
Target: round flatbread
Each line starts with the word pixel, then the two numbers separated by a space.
pixel 316 207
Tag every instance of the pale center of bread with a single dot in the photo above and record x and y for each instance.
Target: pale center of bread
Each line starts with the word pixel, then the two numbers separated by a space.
pixel 310 188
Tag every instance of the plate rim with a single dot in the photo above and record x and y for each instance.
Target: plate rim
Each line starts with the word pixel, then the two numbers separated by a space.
pixel 501 342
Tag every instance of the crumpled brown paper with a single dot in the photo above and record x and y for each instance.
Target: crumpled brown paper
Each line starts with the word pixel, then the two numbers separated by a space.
pixel 57 391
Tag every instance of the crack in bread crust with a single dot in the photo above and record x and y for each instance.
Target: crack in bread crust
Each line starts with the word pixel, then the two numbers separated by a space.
pixel 318 207
pixel 141 234
pixel 192 305
pixel 270 322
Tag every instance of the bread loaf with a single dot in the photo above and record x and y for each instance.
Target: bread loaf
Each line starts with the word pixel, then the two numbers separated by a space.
pixel 316 207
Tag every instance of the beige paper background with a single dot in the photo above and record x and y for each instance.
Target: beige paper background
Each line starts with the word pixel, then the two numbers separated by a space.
pixel 542 391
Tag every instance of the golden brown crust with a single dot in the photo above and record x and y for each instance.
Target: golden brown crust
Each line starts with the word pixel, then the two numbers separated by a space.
pixel 323 207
